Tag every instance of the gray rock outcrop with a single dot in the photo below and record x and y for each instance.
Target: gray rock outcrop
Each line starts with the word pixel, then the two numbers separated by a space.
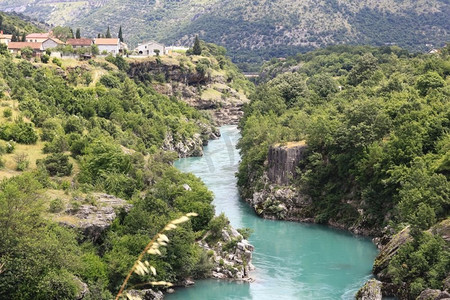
pixel 370 291
pixel 93 220
pixel 283 161
pixel 430 294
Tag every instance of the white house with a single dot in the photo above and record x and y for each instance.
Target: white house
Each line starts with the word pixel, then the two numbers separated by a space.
pixel 51 43
pixel 38 37
pixel 5 38
pixel 111 46
pixel 150 49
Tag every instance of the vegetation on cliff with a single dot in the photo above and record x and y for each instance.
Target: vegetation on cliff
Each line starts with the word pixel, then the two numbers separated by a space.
pixel 376 124
pixel 70 130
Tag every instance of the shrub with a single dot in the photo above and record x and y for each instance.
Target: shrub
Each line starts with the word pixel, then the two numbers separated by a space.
pixel 216 225
pixel 57 164
pixel 56 205
pixel 22 161
pixel 7 113
pixel 57 61
pixel 45 58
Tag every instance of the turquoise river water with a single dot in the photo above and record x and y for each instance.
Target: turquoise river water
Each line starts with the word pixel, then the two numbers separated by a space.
pixel 292 260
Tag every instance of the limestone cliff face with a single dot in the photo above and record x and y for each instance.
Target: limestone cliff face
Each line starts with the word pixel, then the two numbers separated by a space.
pixel 283 161
pixel 210 91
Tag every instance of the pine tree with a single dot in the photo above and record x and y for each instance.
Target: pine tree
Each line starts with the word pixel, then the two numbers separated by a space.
pixel 108 33
pixel 24 38
pixel 120 34
pixel 197 49
pixel 78 33
pixel 99 36
pixel 71 33
pixel 14 37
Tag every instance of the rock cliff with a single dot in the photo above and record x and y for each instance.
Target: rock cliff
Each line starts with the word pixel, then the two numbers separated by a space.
pixel 283 161
pixel 211 91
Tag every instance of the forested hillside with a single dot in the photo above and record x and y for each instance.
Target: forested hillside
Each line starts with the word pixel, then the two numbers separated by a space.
pixel 255 30
pixel 373 125
pixel 87 178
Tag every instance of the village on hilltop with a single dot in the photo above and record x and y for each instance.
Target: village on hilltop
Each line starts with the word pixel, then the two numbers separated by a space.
pixel 38 44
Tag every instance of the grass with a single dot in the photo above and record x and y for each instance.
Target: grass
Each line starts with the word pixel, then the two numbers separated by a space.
pixel 211 95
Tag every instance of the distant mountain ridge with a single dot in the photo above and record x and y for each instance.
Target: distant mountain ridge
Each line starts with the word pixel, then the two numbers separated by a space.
pixel 255 29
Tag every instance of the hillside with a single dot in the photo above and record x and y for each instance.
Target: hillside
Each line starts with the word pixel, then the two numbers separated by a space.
pixel 358 138
pixel 255 30
pixel 18 23
pixel 86 174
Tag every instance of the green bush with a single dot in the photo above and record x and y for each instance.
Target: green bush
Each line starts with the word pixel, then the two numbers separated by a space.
pixel 56 205
pixel 57 164
pixel 45 58
pixel 22 161
pixel 7 113
pixel 216 225
pixel 57 61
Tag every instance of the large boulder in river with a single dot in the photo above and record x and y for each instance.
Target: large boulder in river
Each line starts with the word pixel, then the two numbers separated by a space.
pixel 370 291
pixel 283 161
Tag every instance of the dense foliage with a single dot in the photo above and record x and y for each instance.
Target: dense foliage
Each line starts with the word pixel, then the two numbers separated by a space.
pixel 376 123
pixel 99 135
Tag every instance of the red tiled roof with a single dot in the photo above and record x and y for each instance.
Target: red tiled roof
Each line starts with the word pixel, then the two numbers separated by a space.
pixel 38 35
pixel 79 42
pixel 106 41
pixel 20 45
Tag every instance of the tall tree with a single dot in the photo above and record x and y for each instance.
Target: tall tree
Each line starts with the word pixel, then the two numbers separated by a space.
pixel 197 49
pixel 14 37
pixel 108 33
pixel 71 33
pixel 120 34
pixel 24 37
pixel 78 33
pixel 99 35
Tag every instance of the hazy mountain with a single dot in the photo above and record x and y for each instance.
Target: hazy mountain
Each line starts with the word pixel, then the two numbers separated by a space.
pixel 266 28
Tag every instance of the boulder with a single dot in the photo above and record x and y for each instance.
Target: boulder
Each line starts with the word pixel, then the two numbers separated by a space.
pixel 370 291
pixel 430 294
pixel 147 294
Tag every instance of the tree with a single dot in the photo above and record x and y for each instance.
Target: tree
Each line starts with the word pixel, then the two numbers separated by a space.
pixel 120 36
pixel 14 37
pixel 108 33
pixel 24 38
pixel 78 33
pixel 71 33
pixel 99 35
pixel 197 49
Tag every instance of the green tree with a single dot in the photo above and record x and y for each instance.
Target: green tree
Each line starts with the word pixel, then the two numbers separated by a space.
pixel 108 33
pixel 120 36
pixel 24 38
pixel 78 33
pixel 197 48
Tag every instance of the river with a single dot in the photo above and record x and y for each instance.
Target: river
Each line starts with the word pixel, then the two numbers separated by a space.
pixel 292 260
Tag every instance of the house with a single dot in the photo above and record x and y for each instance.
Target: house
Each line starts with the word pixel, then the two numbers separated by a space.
pixel 37 37
pixel 5 38
pixel 150 48
pixel 15 47
pixel 80 43
pixel 51 43
pixel 110 46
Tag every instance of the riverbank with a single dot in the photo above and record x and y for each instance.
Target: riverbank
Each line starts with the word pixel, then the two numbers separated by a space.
pixel 293 259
